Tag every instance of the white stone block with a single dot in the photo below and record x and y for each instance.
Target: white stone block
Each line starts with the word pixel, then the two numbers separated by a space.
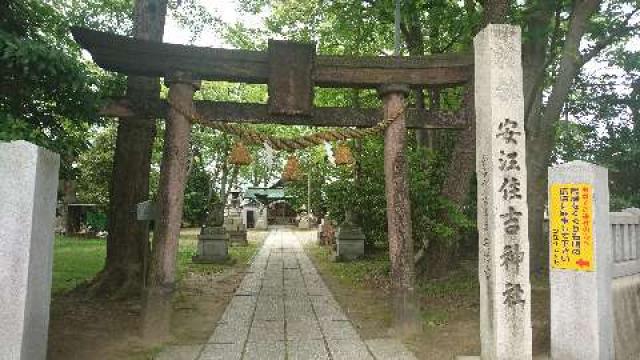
pixel 28 190
pixel 581 305
pixel 505 290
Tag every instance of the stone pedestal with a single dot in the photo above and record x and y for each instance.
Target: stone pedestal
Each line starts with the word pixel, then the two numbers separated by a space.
pixel 213 245
pixel 580 277
pixel 28 189
pixel 349 241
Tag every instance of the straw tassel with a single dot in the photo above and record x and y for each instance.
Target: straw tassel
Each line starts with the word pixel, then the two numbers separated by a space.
pixel 291 169
pixel 343 154
pixel 240 154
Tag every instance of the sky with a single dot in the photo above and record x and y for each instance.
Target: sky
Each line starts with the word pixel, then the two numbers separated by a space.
pixel 226 10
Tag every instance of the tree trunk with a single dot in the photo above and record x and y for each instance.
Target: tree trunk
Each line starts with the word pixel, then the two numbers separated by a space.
pixel 541 129
pixel 399 214
pixel 462 165
pixel 128 239
pixel 68 197
pixel 458 182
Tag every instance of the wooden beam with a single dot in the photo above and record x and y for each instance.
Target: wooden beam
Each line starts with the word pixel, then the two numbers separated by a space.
pixel 258 114
pixel 139 57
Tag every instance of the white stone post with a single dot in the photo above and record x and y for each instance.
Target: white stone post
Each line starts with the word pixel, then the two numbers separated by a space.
pixel 505 291
pixel 28 190
pixel 580 263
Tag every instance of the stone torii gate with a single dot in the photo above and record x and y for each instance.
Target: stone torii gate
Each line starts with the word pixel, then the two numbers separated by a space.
pixel 291 71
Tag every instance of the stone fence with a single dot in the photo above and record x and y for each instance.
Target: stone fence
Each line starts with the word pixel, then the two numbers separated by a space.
pixel 625 233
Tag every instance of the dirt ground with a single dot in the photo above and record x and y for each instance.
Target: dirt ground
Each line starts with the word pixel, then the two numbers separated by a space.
pixel 82 328
pixel 451 322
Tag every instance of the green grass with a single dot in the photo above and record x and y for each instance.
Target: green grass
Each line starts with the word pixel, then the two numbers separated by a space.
pixel 435 317
pixel 460 283
pixel 75 260
pixel 188 247
pixel 355 273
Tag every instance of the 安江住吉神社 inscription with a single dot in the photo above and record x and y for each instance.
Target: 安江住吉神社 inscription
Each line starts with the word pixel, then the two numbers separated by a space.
pixel 505 310
pixel 570 226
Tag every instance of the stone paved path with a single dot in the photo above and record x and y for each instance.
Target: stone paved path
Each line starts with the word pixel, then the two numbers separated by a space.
pixel 283 310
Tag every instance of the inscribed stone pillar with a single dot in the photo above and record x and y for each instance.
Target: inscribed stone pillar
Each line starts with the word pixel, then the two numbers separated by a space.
pixel 505 291
pixel 173 176
pixel 581 263
pixel 27 214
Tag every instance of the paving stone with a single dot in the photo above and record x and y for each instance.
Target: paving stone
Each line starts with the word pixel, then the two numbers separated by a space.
pixel 294 283
pixel 293 274
pixel 222 352
pixel 327 309
pixel 315 291
pixel 179 352
pixel 290 263
pixel 338 330
pixel 299 309
pixel 271 291
pixel 303 330
pixel 249 286
pixel 293 293
pixel 266 331
pixel 348 350
pixel 384 349
pixel 273 283
pixel 270 308
pixel 265 351
pixel 288 288
pixel 231 332
pixel 307 350
pixel 240 308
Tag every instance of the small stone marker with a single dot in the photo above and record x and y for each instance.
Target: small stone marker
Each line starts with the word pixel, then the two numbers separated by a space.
pixel 581 263
pixel 505 291
pixel 213 245
pixel 349 239
pixel 236 229
pixel 27 214
pixel 262 221
pixel 213 241
pixel 304 222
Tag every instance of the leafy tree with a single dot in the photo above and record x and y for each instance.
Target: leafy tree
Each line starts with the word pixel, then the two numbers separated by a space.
pixel 602 124
pixel 48 95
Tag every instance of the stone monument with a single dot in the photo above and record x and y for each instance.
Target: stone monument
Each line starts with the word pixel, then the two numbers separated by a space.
pixel 505 290
pixel 236 229
pixel 581 260
pixel 28 190
pixel 213 239
pixel 349 239
pixel 303 221
pixel 262 222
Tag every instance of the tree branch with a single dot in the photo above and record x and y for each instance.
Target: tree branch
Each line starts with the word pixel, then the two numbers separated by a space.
pixel 569 62
pixel 615 35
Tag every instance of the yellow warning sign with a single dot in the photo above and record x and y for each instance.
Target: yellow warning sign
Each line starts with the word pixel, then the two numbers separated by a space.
pixel 570 227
